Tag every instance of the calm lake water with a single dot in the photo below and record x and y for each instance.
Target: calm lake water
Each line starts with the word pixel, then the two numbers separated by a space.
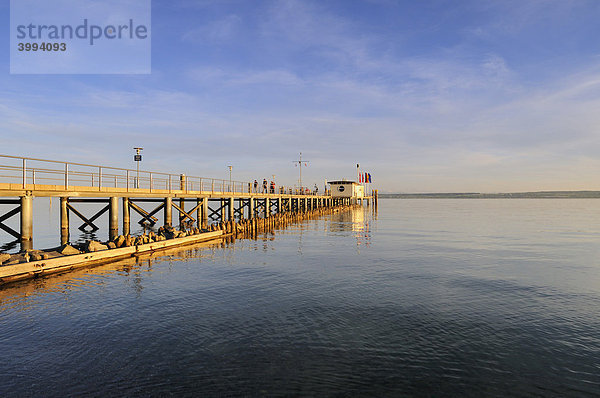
pixel 426 298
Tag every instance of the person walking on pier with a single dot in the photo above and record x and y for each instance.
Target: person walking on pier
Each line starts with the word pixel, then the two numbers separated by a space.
pixel 264 185
pixel 255 186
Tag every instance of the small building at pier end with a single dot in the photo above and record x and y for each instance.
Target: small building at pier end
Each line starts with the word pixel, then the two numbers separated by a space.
pixel 346 189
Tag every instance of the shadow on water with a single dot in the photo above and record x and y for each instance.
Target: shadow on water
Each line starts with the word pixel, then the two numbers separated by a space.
pixel 134 267
pixel 85 236
pixel 9 247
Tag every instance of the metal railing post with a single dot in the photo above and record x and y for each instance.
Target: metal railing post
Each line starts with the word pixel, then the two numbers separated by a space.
pixel 127 183
pixel 24 173
pixel 170 183
pixel 150 182
pixel 99 178
pixel 66 175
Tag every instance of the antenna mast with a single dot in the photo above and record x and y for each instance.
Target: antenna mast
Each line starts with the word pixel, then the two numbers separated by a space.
pixel 300 161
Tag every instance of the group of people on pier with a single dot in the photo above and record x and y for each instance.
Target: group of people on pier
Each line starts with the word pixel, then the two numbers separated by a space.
pixel 267 187
pixel 270 187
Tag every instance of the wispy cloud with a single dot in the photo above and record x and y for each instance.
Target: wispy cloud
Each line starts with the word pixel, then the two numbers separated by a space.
pixel 215 76
pixel 218 31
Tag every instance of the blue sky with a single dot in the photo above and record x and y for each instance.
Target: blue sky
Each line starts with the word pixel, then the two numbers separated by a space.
pixel 429 96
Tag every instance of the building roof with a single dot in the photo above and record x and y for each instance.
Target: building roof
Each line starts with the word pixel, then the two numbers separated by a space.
pixel 341 182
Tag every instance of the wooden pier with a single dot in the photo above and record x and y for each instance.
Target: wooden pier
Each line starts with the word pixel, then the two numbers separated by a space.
pixel 197 201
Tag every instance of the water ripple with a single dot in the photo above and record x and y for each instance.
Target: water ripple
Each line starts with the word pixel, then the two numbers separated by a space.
pixel 427 298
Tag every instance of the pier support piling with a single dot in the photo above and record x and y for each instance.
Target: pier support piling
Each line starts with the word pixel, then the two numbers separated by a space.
pixel 126 217
pixel 223 213
pixel 168 212
pixel 199 213
pixel 205 213
pixel 26 222
pixel 113 218
pixel 64 221
pixel 182 207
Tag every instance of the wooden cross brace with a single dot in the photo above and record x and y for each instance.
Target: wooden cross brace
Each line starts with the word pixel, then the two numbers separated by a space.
pixel 187 214
pixel 6 227
pixel 275 205
pixel 261 205
pixel 216 214
pixel 149 217
pixel 240 212
pixel 88 221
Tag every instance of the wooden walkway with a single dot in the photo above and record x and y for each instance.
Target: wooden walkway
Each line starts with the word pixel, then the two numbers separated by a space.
pixel 196 200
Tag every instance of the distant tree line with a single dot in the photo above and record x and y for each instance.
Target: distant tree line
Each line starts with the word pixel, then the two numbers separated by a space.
pixel 513 195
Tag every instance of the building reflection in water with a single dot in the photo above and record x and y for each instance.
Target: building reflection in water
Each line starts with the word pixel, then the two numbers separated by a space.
pixel 358 221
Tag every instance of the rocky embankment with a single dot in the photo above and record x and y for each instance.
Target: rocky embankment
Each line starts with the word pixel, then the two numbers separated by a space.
pixel 242 228
pixel 163 233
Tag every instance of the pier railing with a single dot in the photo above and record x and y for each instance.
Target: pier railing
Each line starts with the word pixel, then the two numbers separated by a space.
pixel 37 172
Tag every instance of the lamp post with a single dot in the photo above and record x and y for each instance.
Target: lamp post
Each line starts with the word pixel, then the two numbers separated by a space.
pixel 137 158
pixel 230 167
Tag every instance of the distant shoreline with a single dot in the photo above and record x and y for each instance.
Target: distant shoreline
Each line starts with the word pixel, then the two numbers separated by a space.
pixel 513 195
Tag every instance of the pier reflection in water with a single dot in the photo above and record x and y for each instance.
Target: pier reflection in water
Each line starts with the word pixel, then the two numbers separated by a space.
pixel 427 298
